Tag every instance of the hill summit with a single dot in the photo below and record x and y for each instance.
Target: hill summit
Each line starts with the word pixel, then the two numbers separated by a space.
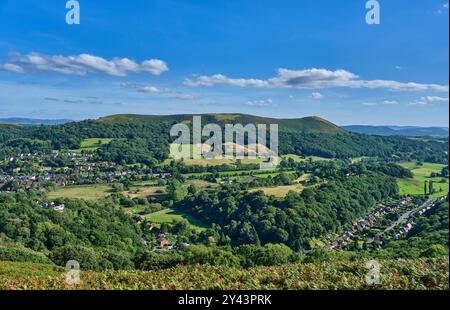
pixel 313 124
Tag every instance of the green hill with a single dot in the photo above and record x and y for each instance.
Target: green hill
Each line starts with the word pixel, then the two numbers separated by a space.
pixel 312 124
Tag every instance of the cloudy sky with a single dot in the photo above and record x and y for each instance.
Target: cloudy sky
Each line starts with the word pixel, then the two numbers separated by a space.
pixel 270 58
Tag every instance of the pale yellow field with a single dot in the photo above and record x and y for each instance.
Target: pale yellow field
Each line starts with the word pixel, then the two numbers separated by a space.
pixel 279 191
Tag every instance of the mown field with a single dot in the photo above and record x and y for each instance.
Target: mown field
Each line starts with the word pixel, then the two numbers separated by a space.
pixel 395 275
pixel 87 192
pixel 279 191
pixel 170 215
pixel 415 186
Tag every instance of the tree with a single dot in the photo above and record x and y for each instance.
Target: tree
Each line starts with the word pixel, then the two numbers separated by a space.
pixel 175 191
pixel 430 187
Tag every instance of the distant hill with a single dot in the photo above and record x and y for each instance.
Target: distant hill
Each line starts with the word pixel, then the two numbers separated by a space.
pixel 410 131
pixel 33 121
pixel 306 124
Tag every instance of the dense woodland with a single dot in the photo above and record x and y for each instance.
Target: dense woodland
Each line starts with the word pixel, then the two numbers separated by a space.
pixel 148 142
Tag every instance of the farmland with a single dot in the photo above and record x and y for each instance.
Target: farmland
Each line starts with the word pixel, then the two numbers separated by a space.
pixel 87 192
pixel 170 215
pixel 415 186
pixel 280 191
pixel 91 145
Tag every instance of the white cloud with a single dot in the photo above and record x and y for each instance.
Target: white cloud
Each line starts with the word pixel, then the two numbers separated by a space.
pixel 149 89
pixel 369 104
pixel 11 68
pixel 313 79
pixel 82 64
pixel 260 103
pixel 316 95
pixel 390 102
pixel 423 101
pixel 184 97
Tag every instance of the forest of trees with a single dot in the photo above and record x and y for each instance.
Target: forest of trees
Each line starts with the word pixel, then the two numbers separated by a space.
pixel 253 218
pixel 147 141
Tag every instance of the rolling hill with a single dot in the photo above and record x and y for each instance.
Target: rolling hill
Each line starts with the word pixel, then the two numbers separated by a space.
pixel 33 121
pixel 312 124
pixel 408 131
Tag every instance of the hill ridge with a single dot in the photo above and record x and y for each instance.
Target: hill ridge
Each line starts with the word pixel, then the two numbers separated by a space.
pixel 306 124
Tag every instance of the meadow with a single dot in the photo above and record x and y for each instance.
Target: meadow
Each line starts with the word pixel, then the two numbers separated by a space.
pixel 415 186
pixel 87 192
pixel 91 145
pixel 170 215
pixel 279 191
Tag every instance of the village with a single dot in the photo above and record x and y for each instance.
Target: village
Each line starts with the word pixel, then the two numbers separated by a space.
pixel 33 171
pixel 393 221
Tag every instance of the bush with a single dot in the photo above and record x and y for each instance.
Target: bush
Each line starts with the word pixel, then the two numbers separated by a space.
pixel 87 257
pixel 160 260
pixel 267 255
pixel 22 254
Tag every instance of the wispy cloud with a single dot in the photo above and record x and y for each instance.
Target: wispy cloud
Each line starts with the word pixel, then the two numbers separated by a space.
pixel 313 79
pixel 81 65
pixel 443 8
pixel 150 90
pixel 426 100
pixel 390 102
pixel 369 104
pixel 316 96
pixel 260 102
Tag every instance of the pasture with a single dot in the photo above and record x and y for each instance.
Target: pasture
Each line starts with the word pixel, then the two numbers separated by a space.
pixel 91 145
pixel 415 186
pixel 171 215
pixel 87 192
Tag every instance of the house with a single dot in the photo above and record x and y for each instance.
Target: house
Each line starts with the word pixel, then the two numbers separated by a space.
pixel 59 208
pixel 163 243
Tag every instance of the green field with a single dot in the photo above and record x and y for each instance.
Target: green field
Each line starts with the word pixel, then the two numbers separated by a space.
pixel 170 215
pixel 91 145
pixel 87 192
pixel 418 274
pixel 415 186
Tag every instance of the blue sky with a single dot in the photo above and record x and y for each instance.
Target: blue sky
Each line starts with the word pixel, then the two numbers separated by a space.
pixel 271 58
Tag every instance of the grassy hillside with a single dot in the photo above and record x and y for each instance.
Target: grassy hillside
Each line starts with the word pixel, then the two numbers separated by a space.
pixel 307 124
pixel 415 186
pixel 395 274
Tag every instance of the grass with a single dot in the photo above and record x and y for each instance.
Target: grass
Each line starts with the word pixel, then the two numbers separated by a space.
pixel 418 274
pixel 144 189
pixel 87 192
pixel 415 186
pixel 91 145
pixel 279 191
pixel 170 215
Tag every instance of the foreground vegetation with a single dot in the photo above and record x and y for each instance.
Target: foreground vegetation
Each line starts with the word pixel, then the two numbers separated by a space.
pixel 395 274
